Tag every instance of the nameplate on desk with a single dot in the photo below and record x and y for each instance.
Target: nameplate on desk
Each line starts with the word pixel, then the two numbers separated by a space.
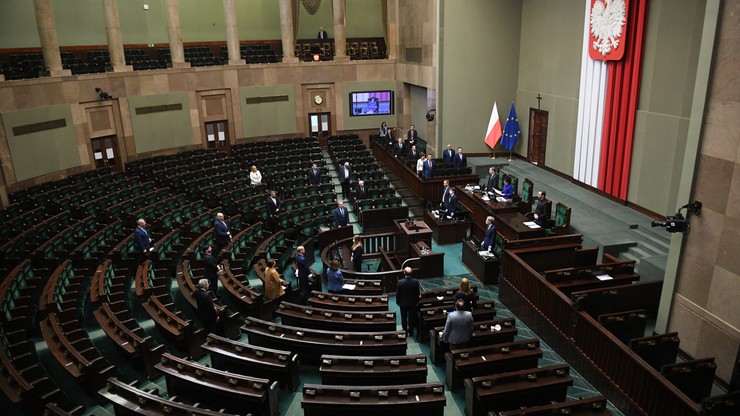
pixel 348 286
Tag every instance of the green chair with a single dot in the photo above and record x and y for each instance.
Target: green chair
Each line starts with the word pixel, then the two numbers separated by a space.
pixel 562 219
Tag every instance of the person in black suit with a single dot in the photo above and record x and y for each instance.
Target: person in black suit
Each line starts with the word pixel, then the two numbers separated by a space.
pixel 407 299
pixel 492 182
pixel 345 179
pixel 451 206
pixel 322 34
pixel 445 194
pixel 314 175
pixel 274 206
pixel 541 209
pixel 303 273
pixel 448 154
pixel 222 233
pixel 427 169
pixel 210 268
pixel 413 153
pixel 142 240
pixel 460 160
pixel 361 191
pixel 412 135
pixel 207 310
pixel 398 148
pixel 490 239
pixel 341 216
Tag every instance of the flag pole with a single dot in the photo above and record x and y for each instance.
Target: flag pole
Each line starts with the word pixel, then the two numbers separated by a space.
pixel 510 159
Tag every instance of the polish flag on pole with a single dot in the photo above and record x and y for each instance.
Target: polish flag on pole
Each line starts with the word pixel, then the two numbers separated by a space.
pixel 493 134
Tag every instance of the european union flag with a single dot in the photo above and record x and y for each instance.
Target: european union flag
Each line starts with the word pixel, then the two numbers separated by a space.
pixel 512 133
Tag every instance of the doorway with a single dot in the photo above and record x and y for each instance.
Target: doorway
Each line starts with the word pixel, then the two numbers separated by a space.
pixel 319 124
pixel 537 147
pixel 217 136
pixel 105 153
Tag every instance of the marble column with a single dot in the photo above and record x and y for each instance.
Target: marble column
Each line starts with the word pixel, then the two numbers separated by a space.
pixel 172 11
pixel 232 33
pixel 392 24
pixel 113 32
pixel 286 31
pixel 48 36
pixel 340 39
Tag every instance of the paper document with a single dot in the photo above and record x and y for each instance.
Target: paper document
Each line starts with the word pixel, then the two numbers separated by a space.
pixel 485 197
pixel 497 191
pixel 348 286
pixel 501 199
pixel 604 277
pixel 532 224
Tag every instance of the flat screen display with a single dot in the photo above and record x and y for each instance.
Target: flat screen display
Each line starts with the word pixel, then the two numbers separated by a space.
pixel 370 103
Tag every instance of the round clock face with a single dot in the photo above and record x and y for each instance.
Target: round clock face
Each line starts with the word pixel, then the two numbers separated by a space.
pixel 318 100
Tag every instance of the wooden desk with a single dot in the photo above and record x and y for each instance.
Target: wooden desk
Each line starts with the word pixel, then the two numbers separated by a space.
pixel 480 209
pixel 431 264
pixel 412 234
pixel 511 226
pixel 447 232
pixel 485 270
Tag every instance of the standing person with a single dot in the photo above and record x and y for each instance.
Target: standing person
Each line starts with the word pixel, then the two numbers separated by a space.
pixel 357 252
pixel 210 268
pixel 361 192
pixel 345 179
pixel 255 177
pixel 322 34
pixel 448 154
pixel 492 179
pixel 341 216
pixel 142 240
pixel 407 299
pixel 451 207
pixel 222 234
pixel 383 129
pixel 445 194
pixel 274 285
pixel 420 163
pixel 413 153
pixel 334 278
pixel 459 326
pixel 466 294
pixel 460 160
pixel 207 310
pixel 411 136
pixel 541 209
pixel 428 168
pixel 399 148
pixel 273 205
pixel 508 191
pixel 303 273
pixel 314 175
pixel 490 239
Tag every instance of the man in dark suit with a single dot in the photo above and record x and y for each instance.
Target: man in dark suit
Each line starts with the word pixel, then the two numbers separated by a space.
pixel 490 239
pixel 341 216
pixel 222 234
pixel 142 240
pixel 407 299
pixel 445 194
pixel 322 34
pixel 399 149
pixel 210 268
pixel 542 209
pixel 361 192
pixel 448 154
pixel 273 205
pixel 460 160
pixel 413 153
pixel 345 179
pixel 411 136
pixel 303 273
pixel 207 310
pixel 428 168
pixel 314 175
pixel 492 182
pixel 451 206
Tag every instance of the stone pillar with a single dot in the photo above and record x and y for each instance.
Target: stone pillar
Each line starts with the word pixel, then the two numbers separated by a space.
pixel 392 19
pixel 48 36
pixel 113 32
pixel 340 39
pixel 172 11
pixel 287 30
pixel 232 33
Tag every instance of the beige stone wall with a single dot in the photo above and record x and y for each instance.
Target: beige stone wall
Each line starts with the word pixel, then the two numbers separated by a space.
pixel 705 309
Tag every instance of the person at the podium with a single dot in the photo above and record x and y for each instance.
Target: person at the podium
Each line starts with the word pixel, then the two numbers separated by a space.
pixel 450 208
pixel 492 182
pixel 508 191
pixel 490 239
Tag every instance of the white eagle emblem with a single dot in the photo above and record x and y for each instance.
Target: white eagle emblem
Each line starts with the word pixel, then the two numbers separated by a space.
pixel 607 21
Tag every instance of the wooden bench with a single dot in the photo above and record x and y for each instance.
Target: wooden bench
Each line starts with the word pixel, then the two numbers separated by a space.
pixel 245 299
pixel 625 325
pixel 310 344
pixel 335 320
pixel 348 303
pixel 363 287
pixel 281 366
pixel 484 333
pixel 411 399
pixel 694 378
pixel 507 391
pixel 440 297
pixel 582 278
pixel 722 405
pixel 437 315
pixel 233 392
pixel 498 358
pixel 638 295
pixel 658 350
pixel 590 406
pixel 373 371
pixel 127 399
